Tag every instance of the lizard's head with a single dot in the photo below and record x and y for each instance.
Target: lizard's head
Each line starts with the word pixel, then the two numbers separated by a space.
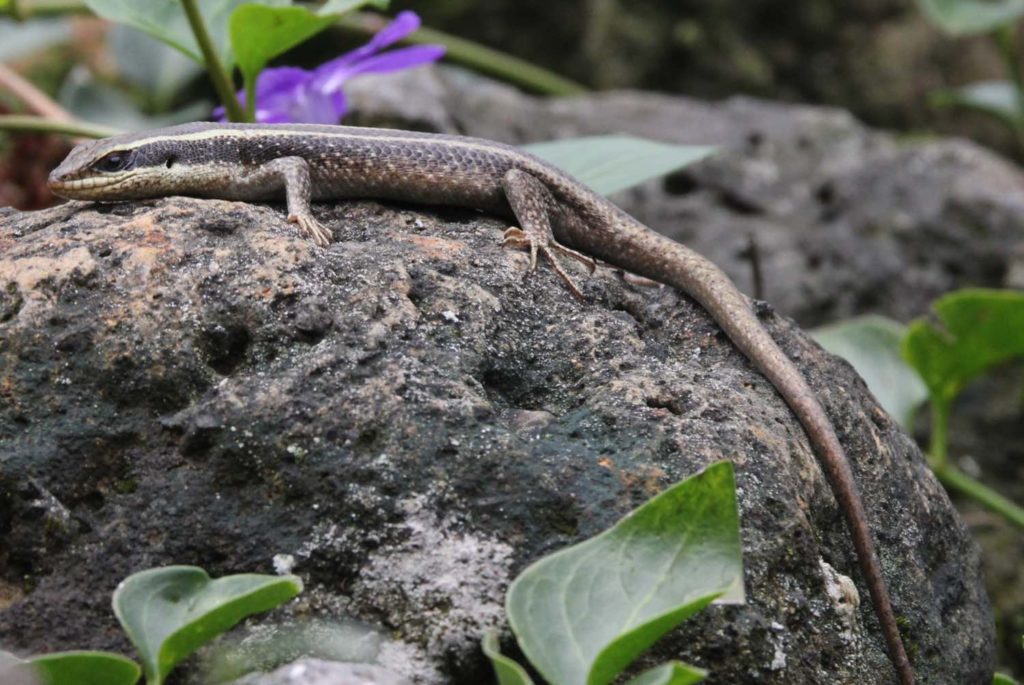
pixel 131 166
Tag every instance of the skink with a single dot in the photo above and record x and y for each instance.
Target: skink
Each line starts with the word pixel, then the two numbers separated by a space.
pixel 557 217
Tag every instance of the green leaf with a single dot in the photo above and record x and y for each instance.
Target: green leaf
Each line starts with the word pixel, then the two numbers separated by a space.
pixel 85 668
pixel 585 613
pixel 996 98
pixel 672 673
pixel 611 163
pixel 962 17
pixel 872 346
pixel 170 612
pixel 507 670
pixel 1003 679
pixel 260 33
pixel 165 20
pixel 976 330
pixel 342 6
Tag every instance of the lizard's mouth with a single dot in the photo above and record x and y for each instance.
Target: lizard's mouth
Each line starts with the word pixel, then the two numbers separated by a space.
pixel 72 188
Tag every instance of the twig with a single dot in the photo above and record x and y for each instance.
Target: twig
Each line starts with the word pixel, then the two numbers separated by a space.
pixel 75 129
pixel 36 100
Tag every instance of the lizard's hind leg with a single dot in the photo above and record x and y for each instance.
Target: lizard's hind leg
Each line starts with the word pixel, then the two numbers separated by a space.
pixel 532 203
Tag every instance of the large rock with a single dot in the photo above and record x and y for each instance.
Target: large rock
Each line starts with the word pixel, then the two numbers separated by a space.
pixel 413 417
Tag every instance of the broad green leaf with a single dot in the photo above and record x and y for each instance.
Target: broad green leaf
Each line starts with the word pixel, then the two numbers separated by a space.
pixel 583 614
pixel 507 670
pixel 165 20
pixel 976 330
pixel 611 163
pixel 961 17
pixel 996 98
pixel 170 612
pixel 872 346
pixel 672 673
pixel 342 6
pixel 85 668
pixel 1003 679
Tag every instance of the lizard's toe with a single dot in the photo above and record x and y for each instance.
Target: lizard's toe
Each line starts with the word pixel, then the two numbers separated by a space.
pixel 313 229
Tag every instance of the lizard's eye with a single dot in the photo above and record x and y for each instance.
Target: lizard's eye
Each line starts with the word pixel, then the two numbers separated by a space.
pixel 114 161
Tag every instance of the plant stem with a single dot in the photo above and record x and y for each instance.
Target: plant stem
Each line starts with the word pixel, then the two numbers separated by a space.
pixel 221 79
pixel 478 57
pixel 938 450
pixel 956 480
pixel 20 10
pixel 36 100
pixel 75 129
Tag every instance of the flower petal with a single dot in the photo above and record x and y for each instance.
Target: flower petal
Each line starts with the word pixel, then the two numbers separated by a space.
pixel 392 60
pixel 405 23
pixel 280 80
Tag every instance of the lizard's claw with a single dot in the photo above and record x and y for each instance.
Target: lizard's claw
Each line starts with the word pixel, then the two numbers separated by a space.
pixel 538 243
pixel 316 231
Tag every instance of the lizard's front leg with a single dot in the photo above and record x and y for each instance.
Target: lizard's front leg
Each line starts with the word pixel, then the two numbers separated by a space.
pixel 291 174
pixel 531 202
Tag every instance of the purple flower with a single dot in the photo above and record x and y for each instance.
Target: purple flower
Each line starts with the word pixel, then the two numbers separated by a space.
pixel 291 94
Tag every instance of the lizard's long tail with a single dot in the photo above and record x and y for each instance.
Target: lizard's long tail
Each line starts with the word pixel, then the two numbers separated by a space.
pixel 698 277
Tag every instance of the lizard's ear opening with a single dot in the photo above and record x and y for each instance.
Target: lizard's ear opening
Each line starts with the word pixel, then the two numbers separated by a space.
pixel 171 161
pixel 119 160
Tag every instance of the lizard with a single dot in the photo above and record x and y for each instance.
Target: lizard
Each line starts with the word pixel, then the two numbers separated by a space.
pixel 558 217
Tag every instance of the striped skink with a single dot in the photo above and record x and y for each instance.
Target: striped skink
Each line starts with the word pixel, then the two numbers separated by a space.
pixel 557 217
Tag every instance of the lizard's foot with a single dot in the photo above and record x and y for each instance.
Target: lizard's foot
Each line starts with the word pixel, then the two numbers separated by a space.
pixel 539 243
pixel 313 229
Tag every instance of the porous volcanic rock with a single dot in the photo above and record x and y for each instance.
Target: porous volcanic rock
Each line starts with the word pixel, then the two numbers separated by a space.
pixel 413 417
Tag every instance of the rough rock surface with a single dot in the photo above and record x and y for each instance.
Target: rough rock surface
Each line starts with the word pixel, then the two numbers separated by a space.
pixel 843 219
pixel 413 418
pixel 320 672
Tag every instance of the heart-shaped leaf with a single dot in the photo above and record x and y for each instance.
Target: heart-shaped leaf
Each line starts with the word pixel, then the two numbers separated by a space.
pixel 170 612
pixel 872 346
pixel 85 668
pixel 961 17
pixel 976 329
pixel 608 164
pixel 583 614
pixel 672 673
